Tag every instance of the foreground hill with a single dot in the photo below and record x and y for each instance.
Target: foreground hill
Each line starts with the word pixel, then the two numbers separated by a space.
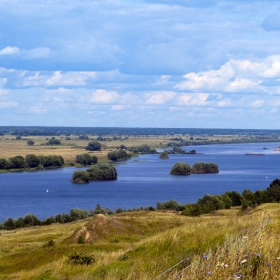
pixel 148 245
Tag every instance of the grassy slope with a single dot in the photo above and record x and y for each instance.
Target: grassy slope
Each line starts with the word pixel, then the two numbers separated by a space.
pixel 143 245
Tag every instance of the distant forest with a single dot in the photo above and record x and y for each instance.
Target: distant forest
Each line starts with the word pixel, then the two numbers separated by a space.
pixel 133 131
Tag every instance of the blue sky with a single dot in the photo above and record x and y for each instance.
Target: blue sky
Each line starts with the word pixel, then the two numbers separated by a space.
pixel 166 63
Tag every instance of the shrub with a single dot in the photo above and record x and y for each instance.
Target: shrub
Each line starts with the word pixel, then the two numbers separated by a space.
pixel 180 168
pixel 81 239
pixel 203 167
pixel 102 171
pixel 164 155
pixel 77 214
pixel 80 177
pixel 93 146
pixel 80 258
pixel 30 142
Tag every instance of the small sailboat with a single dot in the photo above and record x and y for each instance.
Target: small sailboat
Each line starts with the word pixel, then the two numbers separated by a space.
pixel 47 190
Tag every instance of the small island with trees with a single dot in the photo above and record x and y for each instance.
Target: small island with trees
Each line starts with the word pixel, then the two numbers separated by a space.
pixel 164 155
pixel 183 168
pixel 98 172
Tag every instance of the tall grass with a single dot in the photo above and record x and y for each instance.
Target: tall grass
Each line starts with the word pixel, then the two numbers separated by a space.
pixel 150 245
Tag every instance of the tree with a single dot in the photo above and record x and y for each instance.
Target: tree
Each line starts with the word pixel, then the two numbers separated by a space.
pixel 78 214
pixel 83 137
pixel 9 224
pixel 30 142
pixel 54 141
pixel 32 161
pixel 273 191
pixel 80 177
pixel 18 137
pixel 4 164
pixel 205 167
pixel 31 220
pixel 102 171
pixel 164 155
pixel 93 146
pixel 180 168
pixel 16 162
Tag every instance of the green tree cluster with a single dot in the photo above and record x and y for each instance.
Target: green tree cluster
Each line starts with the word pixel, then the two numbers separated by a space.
pixel 30 142
pixel 93 146
pixel 53 141
pixel 86 159
pixel 100 171
pixel 31 161
pixel 181 168
pixel 204 167
pixel 164 155
pixel 209 203
pixel 118 155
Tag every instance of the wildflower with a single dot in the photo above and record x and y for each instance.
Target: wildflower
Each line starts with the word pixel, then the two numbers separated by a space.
pixel 235 276
pixel 268 264
pixel 246 256
pixel 209 273
pixel 243 261
pixel 258 255
pixel 205 257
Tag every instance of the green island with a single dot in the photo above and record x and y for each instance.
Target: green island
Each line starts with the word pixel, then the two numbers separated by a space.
pixel 183 168
pixel 98 172
pixel 164 155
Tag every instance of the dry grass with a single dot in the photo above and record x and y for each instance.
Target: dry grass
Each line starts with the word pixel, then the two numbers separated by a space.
pixel 9 147
pixel 145 245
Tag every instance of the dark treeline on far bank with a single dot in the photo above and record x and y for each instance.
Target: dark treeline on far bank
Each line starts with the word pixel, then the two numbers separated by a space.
pixel 134 131
pixel 206 204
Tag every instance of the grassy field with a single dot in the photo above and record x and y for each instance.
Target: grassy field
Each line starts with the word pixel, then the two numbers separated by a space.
pixel 9 147
pixel 149 245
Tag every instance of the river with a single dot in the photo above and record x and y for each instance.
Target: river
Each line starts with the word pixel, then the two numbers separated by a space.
pixel 142 181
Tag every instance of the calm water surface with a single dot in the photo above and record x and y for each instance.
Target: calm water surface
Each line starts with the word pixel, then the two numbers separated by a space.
pixel 141 181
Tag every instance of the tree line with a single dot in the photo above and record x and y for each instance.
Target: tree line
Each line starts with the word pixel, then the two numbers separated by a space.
pixel 31 161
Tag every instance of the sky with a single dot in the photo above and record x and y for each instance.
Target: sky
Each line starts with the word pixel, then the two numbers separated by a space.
pixel 140 63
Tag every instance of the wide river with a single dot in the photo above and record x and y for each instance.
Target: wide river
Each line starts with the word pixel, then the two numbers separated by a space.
pixel 142 181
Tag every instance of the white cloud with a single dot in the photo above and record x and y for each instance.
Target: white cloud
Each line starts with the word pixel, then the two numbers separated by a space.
pixel 197 99
pixel 161 97
pixel 9 51
pixel 8 104
pixel 3 92
pixel 70 78
pixel 257 103
pixel 37 53
pixel 235 76
pixel 117 107
pixel 103 96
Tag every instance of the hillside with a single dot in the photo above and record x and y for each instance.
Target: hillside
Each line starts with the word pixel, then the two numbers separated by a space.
pixel 146 245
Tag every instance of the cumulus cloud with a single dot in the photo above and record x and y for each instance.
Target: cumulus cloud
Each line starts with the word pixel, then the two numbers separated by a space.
pixel 103 96
pixel 197 99
pixel 235 76
pixel 160 97
pixel 69 78
pixel 9 51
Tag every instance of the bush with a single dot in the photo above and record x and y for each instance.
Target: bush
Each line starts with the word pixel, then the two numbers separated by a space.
pixel 180 168
pixel 80 177
pixel 102 172
pixel 86 159
pixel 81 239
pixel 164 155
pixel 203 167
pixel 30 142
pixel 54 141
pixel 78 214
pixel 93 146
pixel 32 161
pixel 80 258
